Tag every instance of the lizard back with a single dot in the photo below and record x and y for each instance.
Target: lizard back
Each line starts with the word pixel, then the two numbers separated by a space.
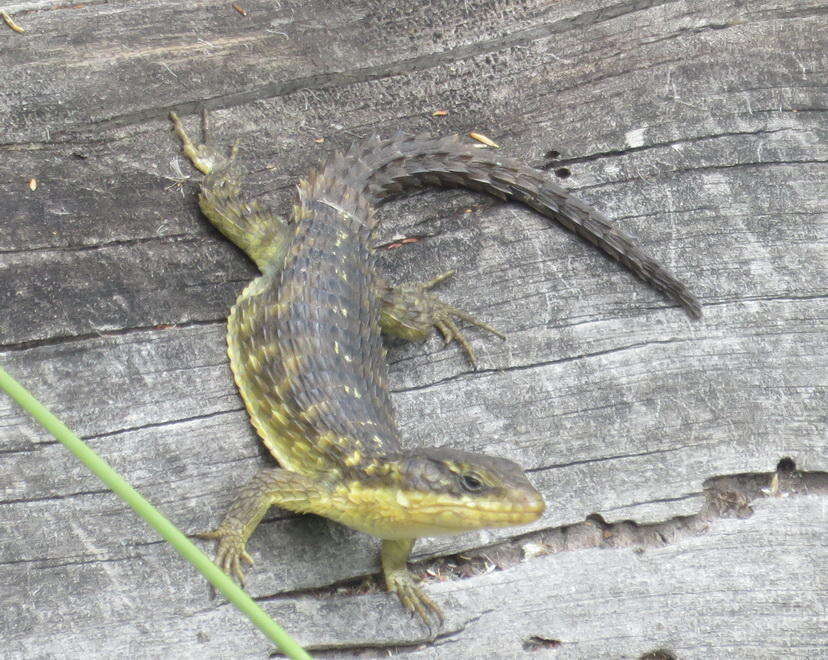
pixel 305 343
pixel 304 338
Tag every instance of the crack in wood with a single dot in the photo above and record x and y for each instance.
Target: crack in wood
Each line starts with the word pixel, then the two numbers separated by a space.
pixel 546 363
pixel 668 144
pixel 726 496
pixel 337 79
pixel 128 242
pixel 70 339
pixel 705 168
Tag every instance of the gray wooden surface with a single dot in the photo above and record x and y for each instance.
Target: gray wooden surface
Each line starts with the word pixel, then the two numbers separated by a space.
pixel 698 125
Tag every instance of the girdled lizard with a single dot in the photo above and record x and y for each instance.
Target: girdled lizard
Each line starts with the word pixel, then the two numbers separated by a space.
pixel 305 347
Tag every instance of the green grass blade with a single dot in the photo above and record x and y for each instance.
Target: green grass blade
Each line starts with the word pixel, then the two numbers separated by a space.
pixel 143 508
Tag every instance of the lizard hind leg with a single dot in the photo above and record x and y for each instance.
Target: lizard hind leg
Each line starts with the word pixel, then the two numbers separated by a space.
pixel 258 231
pixel 410 312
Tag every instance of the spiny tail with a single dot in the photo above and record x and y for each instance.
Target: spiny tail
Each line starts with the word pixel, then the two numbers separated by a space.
pixel 385 168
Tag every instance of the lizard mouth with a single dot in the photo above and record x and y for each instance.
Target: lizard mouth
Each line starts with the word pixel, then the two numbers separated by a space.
pixel 411 514
pixel 468 514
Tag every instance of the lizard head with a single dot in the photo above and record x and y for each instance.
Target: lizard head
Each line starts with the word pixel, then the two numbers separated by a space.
pixel 435 492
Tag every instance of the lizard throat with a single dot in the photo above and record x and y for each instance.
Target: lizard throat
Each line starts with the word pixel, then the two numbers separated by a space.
pixel 392 513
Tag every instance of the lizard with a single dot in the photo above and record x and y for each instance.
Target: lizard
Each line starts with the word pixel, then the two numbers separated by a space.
pixel 305 348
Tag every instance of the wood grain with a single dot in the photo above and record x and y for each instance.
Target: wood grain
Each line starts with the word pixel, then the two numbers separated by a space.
pixel 699 126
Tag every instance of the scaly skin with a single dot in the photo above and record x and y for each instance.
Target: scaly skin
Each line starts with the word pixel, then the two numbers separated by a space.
pixel 305 347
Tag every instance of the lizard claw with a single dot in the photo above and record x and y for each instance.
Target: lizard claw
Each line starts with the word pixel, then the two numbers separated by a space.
pixel 434 282
pixel 444 316
pixel 230 552
pixel 415 599
pixel 203 156
pixel 410 311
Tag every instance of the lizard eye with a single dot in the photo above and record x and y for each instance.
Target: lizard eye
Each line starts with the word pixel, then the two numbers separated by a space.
pixel 471 483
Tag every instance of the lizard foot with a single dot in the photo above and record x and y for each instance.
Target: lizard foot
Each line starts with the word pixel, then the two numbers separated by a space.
pixel 413 598
pixel 410 312
pixel 204 157
pixel 230 551
pixel 443 316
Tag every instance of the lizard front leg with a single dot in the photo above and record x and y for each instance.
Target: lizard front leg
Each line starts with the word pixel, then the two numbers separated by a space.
pixel 271 486
pixel 302 494
pixel 410 312
pixel 400 580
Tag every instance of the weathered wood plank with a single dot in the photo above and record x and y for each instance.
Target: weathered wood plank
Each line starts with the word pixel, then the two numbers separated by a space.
pixel 586 603
pixel 697 125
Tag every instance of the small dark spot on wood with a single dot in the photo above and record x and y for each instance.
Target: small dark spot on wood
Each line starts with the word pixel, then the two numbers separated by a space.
pixel 787 464
pixel 659 654
pixel 551 157
pixel 536 643
pixel 562 173
pixel 597 519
